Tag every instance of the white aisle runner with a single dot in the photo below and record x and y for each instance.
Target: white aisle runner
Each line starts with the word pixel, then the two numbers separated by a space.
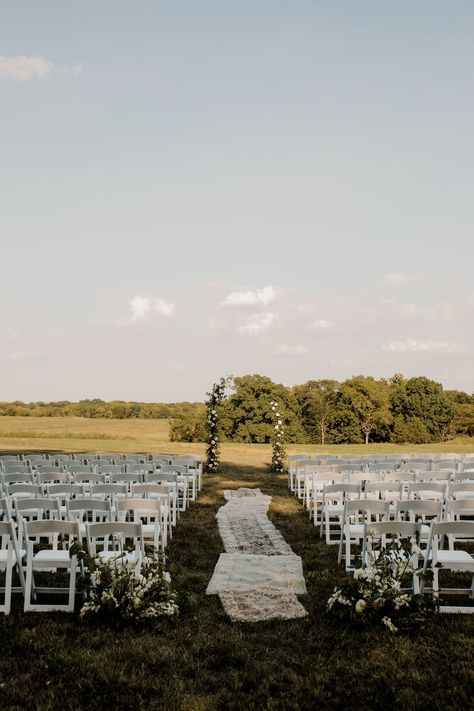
pixel 259 576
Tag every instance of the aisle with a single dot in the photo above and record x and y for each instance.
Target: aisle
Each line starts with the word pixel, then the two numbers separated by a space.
pixel 259 576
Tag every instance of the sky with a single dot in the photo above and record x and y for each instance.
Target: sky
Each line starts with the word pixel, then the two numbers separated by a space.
pixel 194 189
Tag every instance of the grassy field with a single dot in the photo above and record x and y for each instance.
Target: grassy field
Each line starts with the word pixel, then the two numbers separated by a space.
pixel 54 661
pixel 77 434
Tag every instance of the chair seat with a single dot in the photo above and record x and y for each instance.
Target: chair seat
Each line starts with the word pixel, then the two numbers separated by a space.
pixel 3 558
pixel 456 558
pixel 128 557
pixel 50 558
pixel 356 530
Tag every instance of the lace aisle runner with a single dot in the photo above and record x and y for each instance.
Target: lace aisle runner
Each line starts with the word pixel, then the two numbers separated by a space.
pixel 259 576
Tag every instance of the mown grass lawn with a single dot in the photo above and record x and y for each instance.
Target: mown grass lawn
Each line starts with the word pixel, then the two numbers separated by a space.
pixel 55 661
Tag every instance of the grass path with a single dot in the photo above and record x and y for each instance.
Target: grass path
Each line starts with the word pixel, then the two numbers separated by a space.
pixel 53 661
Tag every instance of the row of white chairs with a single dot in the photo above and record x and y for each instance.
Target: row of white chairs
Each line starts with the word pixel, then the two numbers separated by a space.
pixel 299 463
pixel 313 480
pixel 28 509
pixel 28 553
pixel 188 479
pixel 70 461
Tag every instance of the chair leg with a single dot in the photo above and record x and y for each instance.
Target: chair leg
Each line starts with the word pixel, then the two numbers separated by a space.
pixel 29 577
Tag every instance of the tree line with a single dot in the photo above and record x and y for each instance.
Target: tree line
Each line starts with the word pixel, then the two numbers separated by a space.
pixel 97 408
pixel 360 409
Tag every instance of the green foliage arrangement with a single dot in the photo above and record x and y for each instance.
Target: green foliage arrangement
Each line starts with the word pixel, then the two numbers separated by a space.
pixel 374 594
pixel 278 448
pixel 213 401
pixel 117 590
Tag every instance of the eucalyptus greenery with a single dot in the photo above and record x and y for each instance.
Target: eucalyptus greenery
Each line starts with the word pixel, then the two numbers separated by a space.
pixel 213 400
pixel 278 440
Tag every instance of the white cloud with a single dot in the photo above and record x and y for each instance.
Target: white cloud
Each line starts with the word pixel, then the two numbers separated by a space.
pixel 321 324
pixel 402 279
pixel 143 307
pixel 291 350
pixel 257 323
pixel 251 298
pixel 413 345
pixel 24 68
pixel 77 69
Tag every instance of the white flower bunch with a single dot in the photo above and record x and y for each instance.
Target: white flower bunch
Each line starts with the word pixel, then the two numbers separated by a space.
pixel 375 593
pixel 120 589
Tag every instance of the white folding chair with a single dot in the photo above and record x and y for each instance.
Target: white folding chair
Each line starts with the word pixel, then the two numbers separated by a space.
pixel 88 510
pixel 356 514
pixel 385 532
pixel 163 493
pixel 455 560
pixel 109 541
pixel 46 559
pixel 332 508
pixel 148 511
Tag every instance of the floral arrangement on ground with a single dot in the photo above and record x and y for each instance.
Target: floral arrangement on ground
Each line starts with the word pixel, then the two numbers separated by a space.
pixel 374 594
pixel 119 590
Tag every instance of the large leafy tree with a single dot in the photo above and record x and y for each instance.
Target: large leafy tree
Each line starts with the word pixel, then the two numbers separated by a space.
pixel 247 415
pixel 425 400
pixel 369 400
pixel 317 400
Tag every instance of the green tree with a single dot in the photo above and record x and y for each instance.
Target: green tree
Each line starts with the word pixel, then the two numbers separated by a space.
pixel 425 400
pixel 246 415
pixel 317 400
pixel 189 426
pixel 369 399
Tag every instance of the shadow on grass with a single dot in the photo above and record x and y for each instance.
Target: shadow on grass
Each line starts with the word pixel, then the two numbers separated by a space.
pixel 54 661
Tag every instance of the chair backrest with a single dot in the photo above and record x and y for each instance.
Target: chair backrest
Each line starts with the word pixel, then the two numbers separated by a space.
pixel 37 506
pixel 464 476
pixel 48 528
pixel 463 489
pixel 110 468
pixel 366 507
pixel 24 490
pixel 64 491
pixel 416 507
pixel 90 510
pixel 79 468
pixel 126 477
pixel 388 490
pixel 341 490
pixel 57 477
pixel 18 478
pixel 459 507
pixel 89 477
pixel 181 469
pixel 47 467
pixel 150 490
pixel 435 475
pixel 400 475
pixel 108 533
pixel 427 490
pixel 144 508
pixel 110 491
pixel 158 476
pixel 139 468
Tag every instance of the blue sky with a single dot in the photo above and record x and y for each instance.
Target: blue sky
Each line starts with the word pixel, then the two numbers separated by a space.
pixel 192 189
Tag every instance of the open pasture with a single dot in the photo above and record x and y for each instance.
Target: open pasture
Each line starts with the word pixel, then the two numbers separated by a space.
pixel 78 434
